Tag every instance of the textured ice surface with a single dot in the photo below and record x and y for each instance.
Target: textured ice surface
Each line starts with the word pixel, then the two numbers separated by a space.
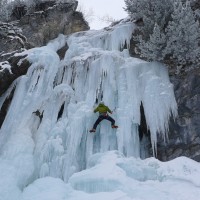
pixel 111 176
pixel 65 92
pixel 111 171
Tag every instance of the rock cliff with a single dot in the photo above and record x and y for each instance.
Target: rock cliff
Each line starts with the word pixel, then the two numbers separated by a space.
pixel 34 30
pixel 37 28
pixel 184 132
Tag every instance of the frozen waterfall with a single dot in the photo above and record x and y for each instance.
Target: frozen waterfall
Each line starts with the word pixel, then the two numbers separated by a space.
pixel 65 93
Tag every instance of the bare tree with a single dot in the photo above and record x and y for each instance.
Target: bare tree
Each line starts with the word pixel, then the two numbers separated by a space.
pixel 88 14
pixel 107 19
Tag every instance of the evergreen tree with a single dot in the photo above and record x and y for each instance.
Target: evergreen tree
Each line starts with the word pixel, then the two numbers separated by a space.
pixel 183 34
pixel 170 30
pixel 151 12
pixel 154 48
pixel 135 8
pixel 138 8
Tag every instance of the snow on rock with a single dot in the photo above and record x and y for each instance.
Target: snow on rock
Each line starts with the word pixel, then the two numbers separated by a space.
pixel 45 132
pixel 5 65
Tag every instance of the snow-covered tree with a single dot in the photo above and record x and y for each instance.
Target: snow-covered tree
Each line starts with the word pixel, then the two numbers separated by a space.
pixel 4 11
pixel 170 30
pixel 183 34
pixel 155 15
pixel 154 48
pixel 151 12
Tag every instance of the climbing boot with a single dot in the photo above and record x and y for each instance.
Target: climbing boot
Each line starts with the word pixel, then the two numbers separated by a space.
pixel 114 126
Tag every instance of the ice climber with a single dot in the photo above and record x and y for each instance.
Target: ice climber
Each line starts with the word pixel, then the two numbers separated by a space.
pixel 103 114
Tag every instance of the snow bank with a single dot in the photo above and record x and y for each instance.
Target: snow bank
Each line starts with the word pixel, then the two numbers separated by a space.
pixel 139 179
pixel 111 176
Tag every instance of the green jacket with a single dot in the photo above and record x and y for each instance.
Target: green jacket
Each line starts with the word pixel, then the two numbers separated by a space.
pixel 102 109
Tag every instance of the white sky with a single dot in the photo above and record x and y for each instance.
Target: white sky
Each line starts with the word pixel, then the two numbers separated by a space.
pixel 113 8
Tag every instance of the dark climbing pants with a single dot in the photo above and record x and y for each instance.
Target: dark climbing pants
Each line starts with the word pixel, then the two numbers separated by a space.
pixel 102 117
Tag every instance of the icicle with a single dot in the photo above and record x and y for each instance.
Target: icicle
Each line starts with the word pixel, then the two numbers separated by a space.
pixel 93 65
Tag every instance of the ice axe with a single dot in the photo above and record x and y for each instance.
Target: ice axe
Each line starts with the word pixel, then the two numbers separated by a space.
pixel 114 110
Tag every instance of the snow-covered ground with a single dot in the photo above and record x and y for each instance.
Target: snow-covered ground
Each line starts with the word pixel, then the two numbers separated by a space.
pixel 56 158
pixel 111 176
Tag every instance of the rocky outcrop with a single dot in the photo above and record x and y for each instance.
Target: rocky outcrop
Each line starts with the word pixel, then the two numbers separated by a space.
pixel 12 40
pixel 13 71
pixel 39 27
pixel 33 30
pixel 184 132
pixel 9 71
pixel 42 26
pixel 48 20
